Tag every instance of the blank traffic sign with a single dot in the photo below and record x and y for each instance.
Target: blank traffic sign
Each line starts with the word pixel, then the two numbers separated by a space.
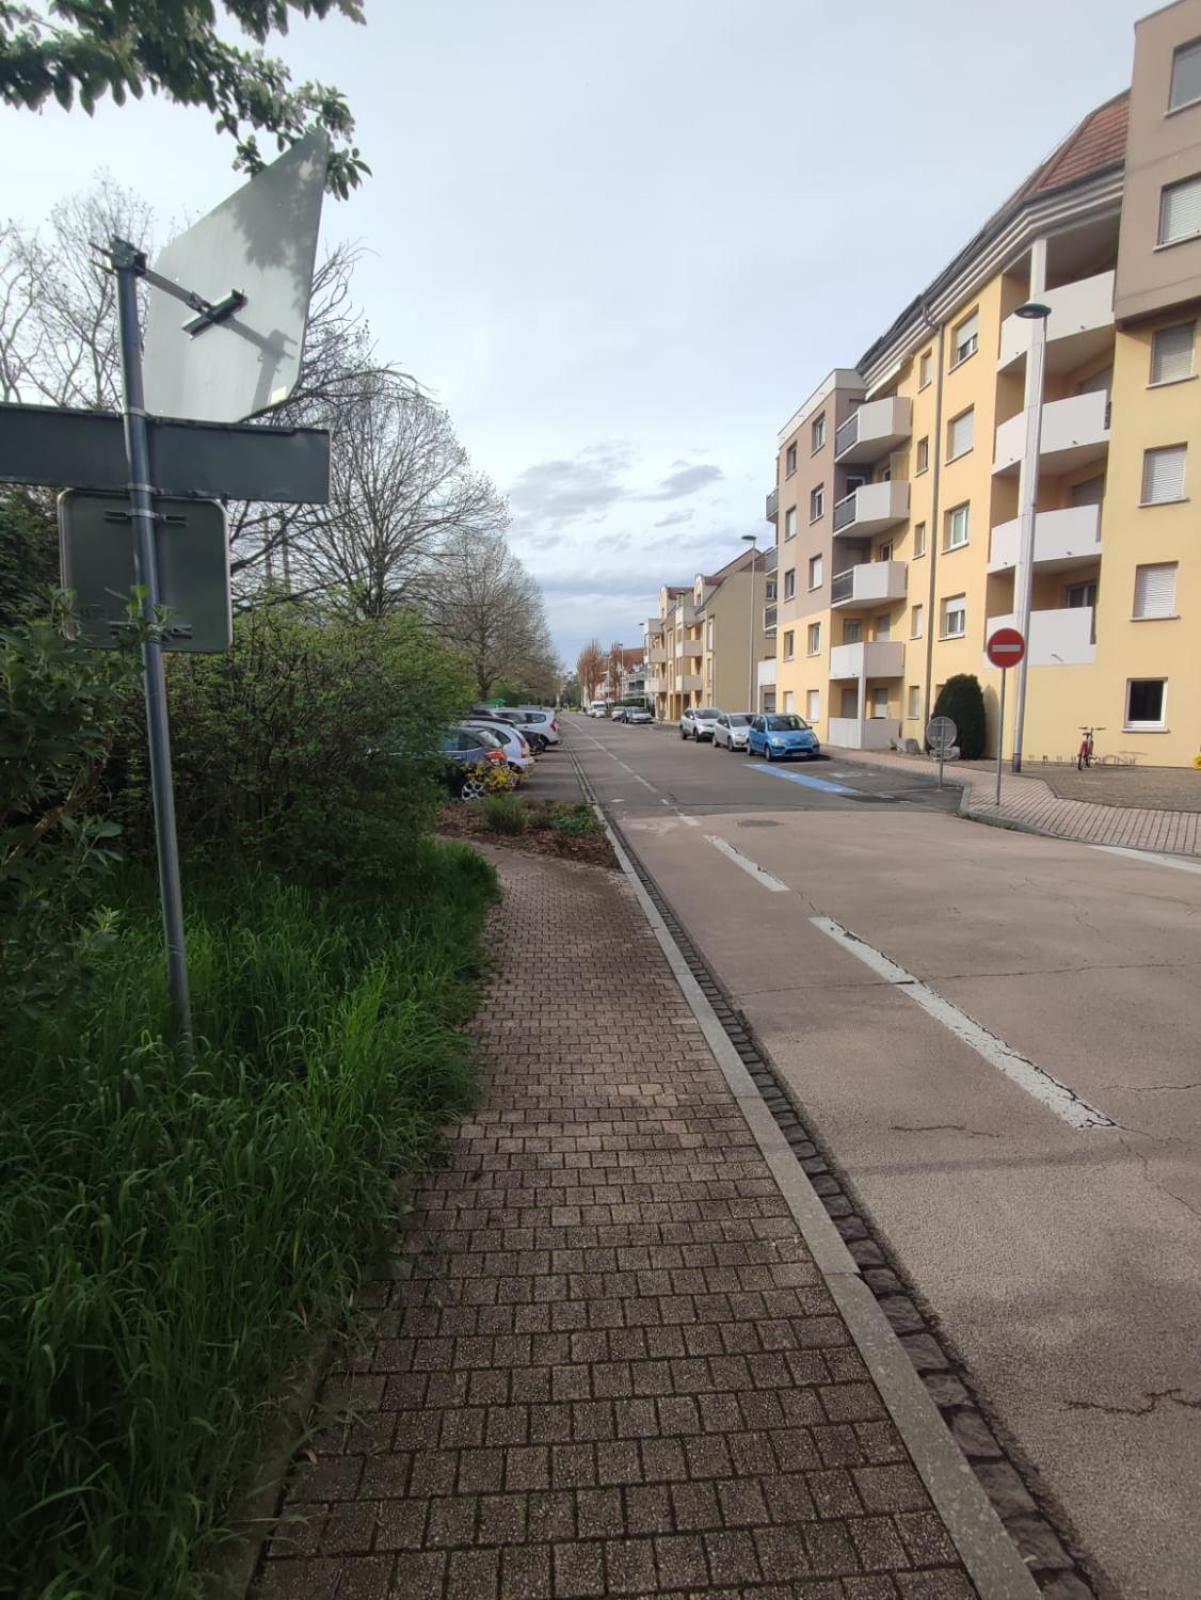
pixel 1005 647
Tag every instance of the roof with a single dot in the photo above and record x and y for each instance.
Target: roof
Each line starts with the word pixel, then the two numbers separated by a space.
pixel 1095 145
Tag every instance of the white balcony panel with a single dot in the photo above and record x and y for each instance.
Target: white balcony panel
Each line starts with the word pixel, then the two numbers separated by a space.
pixel 766 673
pixel 1079 328
pixel 874 430
pixel 687 681
pixel 1075 431
pixel 692 647
pixel 876 733
pixel 1062 638
pixel 868 584
pixel 880 658
pixel 871 509
pixel 1061 539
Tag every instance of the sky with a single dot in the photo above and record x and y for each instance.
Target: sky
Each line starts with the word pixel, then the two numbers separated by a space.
pixel 622 240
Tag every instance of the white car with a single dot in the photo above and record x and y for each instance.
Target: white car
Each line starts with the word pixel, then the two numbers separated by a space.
pixel 543 720
pixel 732 730
pixel 638 714
pixel 597 708
pixel 517 751
pixel 698 723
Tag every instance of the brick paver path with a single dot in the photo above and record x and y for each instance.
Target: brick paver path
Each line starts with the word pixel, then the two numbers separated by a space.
pixel 612 1368
pixel 1029 800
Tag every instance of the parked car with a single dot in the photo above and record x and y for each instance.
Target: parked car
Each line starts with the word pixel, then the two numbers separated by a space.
pixel 517 750
pixel 638 714
pixel 780 735
pixel 543 721
pixel 466 751
pixel 597 708
pixel 698 723
pixel 731 730
pixel 619 713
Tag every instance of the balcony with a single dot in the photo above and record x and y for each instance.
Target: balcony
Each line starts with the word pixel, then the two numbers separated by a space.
pixel 1075 432
pixel 772 507
pixel 655 686
pixel 693 648
pixel 882 658
pixel 874 733
pixel 657 654
pixel 873 430
pixel 1061 539
pixel 871 509
pixel 1079 328
pixel 770 614
pixel 1064 638
pixel 771 558
pixel 765 673
pixel 871 583
pixel 687 681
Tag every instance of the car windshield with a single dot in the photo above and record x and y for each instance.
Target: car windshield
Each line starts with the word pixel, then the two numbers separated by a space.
pixel 486 738
pixel 738 719
pixel 786 725
pixel 705 716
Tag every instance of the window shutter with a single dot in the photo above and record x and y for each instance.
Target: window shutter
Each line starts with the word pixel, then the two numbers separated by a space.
pixel 967 330
pixel 1186 75
pixel 963 431
pixel 1155 590
pixel 1163 475
pixel 1172 353
pixel 1180 211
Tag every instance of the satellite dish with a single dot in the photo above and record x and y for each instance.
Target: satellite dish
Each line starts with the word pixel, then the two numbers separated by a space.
pixel 225 332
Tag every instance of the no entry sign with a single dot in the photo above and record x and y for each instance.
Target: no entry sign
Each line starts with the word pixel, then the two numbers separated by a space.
pixel 1005 648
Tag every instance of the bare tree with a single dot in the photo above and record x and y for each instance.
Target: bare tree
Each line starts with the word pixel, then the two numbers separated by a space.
pixel 485 603
pixel 590 668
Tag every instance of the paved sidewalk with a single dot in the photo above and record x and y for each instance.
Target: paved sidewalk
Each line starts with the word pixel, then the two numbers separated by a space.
pixel 1031 802
pixel 607 1364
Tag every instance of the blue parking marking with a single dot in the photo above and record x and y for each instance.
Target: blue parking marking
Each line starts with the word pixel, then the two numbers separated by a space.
pixel 803 777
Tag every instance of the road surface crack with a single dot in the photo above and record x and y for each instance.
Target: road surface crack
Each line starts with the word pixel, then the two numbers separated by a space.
pixel 1152 1400
pixel 941 1127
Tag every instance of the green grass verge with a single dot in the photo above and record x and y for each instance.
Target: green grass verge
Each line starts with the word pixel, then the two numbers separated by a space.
pixel 170 1239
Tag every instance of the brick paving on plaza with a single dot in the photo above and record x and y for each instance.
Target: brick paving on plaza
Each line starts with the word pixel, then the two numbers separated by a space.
pixel 604 1363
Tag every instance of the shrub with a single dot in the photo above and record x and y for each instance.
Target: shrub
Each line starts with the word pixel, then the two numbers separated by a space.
pixel 962 701
pixel 171 1237
pixel 504 813
pixel 576 821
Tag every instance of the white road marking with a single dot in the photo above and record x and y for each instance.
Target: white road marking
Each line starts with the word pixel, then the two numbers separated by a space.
pixel 645 784
pixel 751 868
pixel 1035 1080
pixel 691 822
pixel 1148 857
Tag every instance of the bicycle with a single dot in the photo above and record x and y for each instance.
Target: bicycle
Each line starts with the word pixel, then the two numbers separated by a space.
pixel 1084 756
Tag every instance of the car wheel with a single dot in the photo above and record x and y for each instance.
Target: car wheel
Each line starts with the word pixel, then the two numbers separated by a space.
pixel 473 789
pixel 767 755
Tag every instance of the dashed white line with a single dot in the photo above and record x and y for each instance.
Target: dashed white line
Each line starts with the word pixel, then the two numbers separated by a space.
pixel 751 868
pixel 1035 1080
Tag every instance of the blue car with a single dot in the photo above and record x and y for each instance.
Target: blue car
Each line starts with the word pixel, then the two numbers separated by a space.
pixel 779 736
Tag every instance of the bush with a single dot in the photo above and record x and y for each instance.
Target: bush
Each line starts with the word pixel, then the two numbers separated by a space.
pixel 504 813
pixel 170 1238
pixel 962 701
pixel 576 821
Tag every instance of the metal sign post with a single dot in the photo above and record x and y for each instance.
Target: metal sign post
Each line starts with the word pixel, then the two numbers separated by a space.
pixel 1001 733
pixel 1005 648
pixel 941 734
pixel 127 264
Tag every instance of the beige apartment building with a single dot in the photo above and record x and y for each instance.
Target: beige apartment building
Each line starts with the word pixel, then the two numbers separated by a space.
pixel 709 644
pixel 915 491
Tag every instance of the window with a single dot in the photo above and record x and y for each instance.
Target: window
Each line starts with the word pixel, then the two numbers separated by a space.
pixel 815 572
pixel 883 627
pixel 789 700
pixel 1186 75
pixel 884 551
pixel 1089 493
pixel 817 502
pixel 789 644
pixel 790 523
pixel 919 539
pixel 923 457
pixel 769 589
pixel 1155 590
pixel 913 707
pixel 813 705
pixel 790 460
pixel 1146 704
pixel 965 341
pixel 815 639
pixel 954 616
pixel 879 701
pixel 818 431
pixel 1163 475
pixel 1079 595
pixel 1180 211
pixel 1172 353
pixel 923 369
pixel 958 527
pixel 709 631
pixel 852 631
pixel 790 583
pixel 917 621
pixel 961 433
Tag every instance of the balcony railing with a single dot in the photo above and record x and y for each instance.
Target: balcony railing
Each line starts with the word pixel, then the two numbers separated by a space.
pixel 769 617
pixel 1066 637
pixel 872 508
pixel 771 558
pixel 772 506
pixel 873 430
pixel 1074 432
pixel 1079 328
pixel 869 583
pixel 1061 539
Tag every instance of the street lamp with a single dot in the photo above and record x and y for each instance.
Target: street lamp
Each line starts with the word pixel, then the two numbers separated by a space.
pixel 751 539
pixel 1036 312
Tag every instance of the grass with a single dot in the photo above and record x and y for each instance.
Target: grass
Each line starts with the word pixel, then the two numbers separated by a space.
pixel 170 1238
pixel 576 821
pixel 504 813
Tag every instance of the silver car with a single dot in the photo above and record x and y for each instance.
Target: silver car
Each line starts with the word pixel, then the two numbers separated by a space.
pixel 731 730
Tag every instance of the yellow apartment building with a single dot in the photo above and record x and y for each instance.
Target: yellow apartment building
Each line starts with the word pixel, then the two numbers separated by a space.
pixel 709 644
pixel 972 448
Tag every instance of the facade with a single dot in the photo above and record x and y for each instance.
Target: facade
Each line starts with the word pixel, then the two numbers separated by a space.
pixel 708 645
pixel 901 482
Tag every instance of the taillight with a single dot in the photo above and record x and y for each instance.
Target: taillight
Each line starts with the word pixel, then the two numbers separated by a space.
pixel 554 724
pixel 495 755
pixel 525 748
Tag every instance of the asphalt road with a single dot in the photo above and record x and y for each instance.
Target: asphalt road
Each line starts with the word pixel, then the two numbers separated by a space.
pixel 1019 1108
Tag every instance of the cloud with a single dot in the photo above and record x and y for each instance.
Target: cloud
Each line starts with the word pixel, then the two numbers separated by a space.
pixel 686 480
pixel 557 492
pixel 675 518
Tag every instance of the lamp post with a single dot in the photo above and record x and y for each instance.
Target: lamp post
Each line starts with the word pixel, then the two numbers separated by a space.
pixel 751 539
pixel 1036 312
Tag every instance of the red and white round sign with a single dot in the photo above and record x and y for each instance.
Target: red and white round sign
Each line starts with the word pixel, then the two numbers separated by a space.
pixel 1005 647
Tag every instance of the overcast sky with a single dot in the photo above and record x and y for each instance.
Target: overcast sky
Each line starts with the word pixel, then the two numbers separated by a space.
pixel 623 239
